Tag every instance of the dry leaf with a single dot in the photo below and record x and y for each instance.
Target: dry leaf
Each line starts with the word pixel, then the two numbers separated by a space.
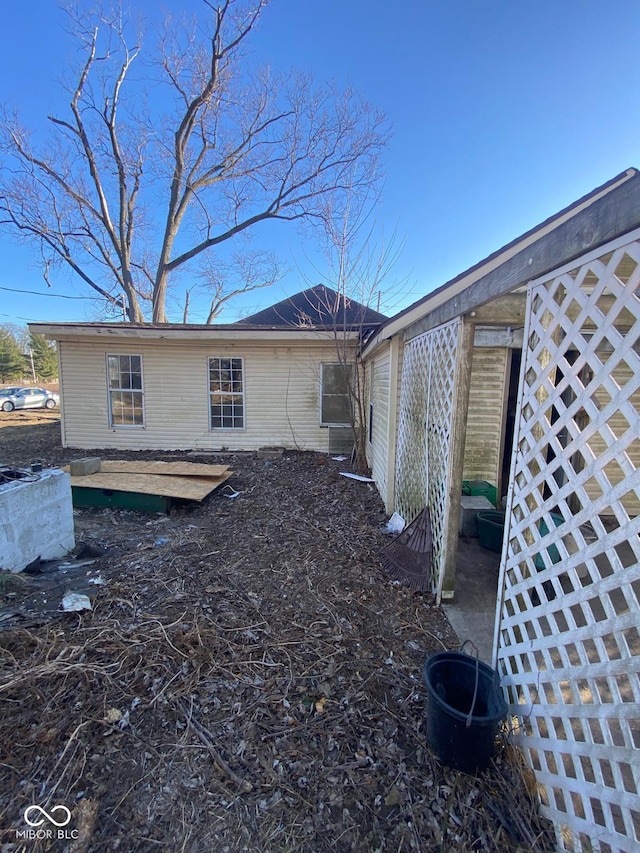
pixel 113 715
pixel 393 798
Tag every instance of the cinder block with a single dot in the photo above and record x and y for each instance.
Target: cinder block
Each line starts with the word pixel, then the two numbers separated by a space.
pixel 82 467
pixel 470 506
pixel 41 523
pixel 270 452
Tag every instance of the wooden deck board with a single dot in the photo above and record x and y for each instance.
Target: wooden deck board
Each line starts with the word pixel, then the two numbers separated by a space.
pixel 188 488
pixel 187 469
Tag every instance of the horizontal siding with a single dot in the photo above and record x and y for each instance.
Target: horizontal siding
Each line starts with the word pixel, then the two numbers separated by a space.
pixel 379 448
pixel 393 505
pixel 368 375
pixel 282 395
pixel 483 445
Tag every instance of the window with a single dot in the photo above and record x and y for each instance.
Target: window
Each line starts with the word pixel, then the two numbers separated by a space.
pixel 124 376
pixel 335 405
pixel 226 393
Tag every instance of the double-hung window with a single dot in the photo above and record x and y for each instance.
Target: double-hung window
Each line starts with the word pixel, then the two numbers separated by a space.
pixel 335 399
pixel 126 394
pixel 226 392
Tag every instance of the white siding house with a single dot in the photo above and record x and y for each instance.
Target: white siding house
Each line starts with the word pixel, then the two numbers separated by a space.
pixel 279 390
pixel 277 378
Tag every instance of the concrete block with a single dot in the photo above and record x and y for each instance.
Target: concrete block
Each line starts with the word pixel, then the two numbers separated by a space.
pixel 82 467
pixel 470 506
pixel 270 452
pixel 36 519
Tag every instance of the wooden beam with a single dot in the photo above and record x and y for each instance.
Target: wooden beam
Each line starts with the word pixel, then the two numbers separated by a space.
pixel 508 310
pixel 499 337
pixel 611 216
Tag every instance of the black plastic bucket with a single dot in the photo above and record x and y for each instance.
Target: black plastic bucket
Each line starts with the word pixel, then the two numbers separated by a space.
pixel 464 708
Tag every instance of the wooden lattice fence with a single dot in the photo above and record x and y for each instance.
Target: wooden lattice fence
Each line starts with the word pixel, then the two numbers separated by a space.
pixel 427 395
pixel 567 638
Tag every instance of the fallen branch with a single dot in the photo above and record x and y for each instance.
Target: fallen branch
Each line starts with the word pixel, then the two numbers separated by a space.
pixel 207 739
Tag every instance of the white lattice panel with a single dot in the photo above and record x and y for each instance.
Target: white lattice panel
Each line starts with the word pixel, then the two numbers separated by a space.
pixel 568 640
pixel 424 433
pixel 441 396
pixel 411 464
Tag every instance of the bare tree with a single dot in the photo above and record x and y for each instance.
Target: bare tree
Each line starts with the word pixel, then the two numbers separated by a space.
pixel 359 264
pixel 159 160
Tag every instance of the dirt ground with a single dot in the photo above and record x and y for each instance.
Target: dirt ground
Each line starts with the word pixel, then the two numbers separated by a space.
pixel 249 679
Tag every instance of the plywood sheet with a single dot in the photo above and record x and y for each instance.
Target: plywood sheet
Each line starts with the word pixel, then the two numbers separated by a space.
pixel 188 488
pixel 187 469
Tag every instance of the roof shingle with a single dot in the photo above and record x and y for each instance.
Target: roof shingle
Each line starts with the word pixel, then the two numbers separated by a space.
pixel 318 306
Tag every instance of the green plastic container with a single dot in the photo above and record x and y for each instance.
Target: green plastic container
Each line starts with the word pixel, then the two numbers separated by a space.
pixel 480 487
pixel 490 525
pixel 554 554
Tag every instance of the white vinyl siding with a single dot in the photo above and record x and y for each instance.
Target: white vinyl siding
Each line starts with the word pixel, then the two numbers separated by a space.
pixel 486 415
pixel 125 390
pixel 281 395
pixel 379 395
pixel 384 371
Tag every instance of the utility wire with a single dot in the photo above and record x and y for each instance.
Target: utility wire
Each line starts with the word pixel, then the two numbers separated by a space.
pixel 16 317
pixel 55 295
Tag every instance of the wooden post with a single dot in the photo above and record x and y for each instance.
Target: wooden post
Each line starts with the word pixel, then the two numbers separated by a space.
pixel 456 460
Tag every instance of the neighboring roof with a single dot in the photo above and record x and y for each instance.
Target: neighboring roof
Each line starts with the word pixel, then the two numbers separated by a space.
pixel 316 307
pixel 598 217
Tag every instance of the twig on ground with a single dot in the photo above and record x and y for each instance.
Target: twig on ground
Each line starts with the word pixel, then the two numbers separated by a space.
pixel 207 739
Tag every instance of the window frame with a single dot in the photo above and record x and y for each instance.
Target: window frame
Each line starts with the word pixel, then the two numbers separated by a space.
pixel 232 393
pixel 324 423
pixel 112 391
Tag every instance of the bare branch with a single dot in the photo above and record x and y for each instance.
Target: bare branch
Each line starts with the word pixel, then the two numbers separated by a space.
pixel 133 185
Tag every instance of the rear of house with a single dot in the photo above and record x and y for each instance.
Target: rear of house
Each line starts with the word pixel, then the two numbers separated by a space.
pixel 207 388
pixel 277 378
pixel 560 309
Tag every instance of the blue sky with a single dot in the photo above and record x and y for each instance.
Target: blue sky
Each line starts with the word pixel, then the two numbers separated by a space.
pixel 502 112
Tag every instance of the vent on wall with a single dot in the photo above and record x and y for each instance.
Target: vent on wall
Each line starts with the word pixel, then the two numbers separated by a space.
pixel 340 440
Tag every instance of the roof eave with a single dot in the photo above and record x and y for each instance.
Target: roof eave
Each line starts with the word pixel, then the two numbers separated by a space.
pixel 464 281
pixel 141 331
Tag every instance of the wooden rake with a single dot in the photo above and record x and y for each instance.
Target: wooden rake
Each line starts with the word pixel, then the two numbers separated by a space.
pixel 408 557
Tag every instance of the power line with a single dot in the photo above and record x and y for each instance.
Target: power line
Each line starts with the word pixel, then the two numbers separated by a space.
pixel 37 293
pixel 15 317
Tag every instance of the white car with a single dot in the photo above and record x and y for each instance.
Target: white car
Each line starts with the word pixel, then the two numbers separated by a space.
pixel 27 398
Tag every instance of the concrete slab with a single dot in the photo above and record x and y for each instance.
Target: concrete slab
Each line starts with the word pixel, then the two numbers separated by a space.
pixel 472 612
